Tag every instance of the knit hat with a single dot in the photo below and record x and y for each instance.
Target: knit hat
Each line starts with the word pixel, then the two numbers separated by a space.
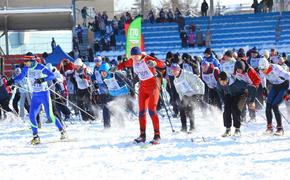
pixel 208 51
pixel 223 76
pixel 240 65
pixel 136 51
pixel 229 53
pixel 104 67
pixel 98 59
pixel 174 66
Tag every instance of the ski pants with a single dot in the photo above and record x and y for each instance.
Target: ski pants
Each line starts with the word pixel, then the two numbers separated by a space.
pixel 84 102
pixel 186 108
pixel 214 98
pixel 38 99
pixel 25 100
pixel 232 111
pixel 148 99
pixel 274 99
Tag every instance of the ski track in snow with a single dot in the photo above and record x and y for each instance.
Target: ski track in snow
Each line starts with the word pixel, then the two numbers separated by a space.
pixel 94 153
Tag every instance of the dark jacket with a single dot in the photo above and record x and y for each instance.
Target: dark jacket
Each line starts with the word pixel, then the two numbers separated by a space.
pixel 3 89
pixel 237 87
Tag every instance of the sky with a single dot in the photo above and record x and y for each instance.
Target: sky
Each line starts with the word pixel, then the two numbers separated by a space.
pixel 127 4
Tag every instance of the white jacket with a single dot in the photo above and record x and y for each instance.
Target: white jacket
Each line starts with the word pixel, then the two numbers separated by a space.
pixel 188 84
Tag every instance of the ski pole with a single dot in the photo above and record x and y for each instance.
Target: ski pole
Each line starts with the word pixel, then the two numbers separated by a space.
pixel 285 118
pixel 166 110
pixel 261 106
pixel 73 104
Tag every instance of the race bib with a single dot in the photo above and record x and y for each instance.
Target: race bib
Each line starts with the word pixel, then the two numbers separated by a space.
pixel 32 76
pixel 187 67
pixel 112 84
pixel 142 70
pixel 183 86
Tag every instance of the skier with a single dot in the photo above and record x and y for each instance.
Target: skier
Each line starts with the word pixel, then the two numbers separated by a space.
pixel 4 96
pixel 144 67
pixel 190 89
pixel 279 78
pixel 245 72
pixel 82 76
pixel 228 63
pixel 210 77
pixel 38 75
pixel 230 90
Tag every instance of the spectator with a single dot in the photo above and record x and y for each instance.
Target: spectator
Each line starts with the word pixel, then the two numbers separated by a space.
pixel 84 15
pixel 270 5
pixel 177 13
pixel 170 17
pixel 183 37
pixel 199 37
pixel 151 17
pixel 204 8
pixel 76 44
pixel 79 32
pixel 191 38
pixel 53 44
pixel 128 18
pixel 90 54
pixel 255 6
pixel 105 17
pixel 115 25
pixel 208 37
pixel 162 15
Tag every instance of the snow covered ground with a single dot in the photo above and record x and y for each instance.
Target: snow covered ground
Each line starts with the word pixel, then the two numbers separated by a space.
pixel 94 153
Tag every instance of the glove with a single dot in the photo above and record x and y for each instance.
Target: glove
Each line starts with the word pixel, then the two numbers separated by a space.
pixel 39 81
pixel 10 82
pixel 151 63
pixel 81 76
pixel 286 97
pixel 265 92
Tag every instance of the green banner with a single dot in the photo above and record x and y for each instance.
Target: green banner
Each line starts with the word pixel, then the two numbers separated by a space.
pixel 133 36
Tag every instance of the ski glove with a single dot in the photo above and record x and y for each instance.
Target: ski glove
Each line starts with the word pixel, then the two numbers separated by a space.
pixel 151 63
pixel 10 82
pixel 39 81
pixel 265 92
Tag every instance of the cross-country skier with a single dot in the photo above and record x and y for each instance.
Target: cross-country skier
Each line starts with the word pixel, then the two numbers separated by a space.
pixel 231 90
pixel 149 90
pixel 279 78
pixel 190 89
pixel 38 75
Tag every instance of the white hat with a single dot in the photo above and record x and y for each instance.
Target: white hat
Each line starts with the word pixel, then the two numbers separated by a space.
pixel 78 62
pixel 264 63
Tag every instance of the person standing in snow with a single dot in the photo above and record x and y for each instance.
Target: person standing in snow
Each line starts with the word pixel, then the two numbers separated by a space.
pixel 231 90
pixel 38 75
pixel 245 72
pixel 228 63
pixel 279 78
pixel 149 90
pixel 210 77
pixel 210 58
pixel 190 89
pixel 82 76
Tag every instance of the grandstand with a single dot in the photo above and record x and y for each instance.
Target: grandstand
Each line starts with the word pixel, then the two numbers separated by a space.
pixel 263 30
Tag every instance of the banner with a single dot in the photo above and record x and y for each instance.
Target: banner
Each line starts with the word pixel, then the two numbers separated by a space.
pixel 133 36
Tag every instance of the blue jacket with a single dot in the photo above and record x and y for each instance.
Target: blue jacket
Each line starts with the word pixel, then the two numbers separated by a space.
pixel 33 73
pixel 212 60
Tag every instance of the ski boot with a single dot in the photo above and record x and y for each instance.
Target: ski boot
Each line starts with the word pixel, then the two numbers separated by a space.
pixel 269 130
pixel 35 140
pixel 155 140
pixel 184 130
pixel 237 132
pixel 63 135
pixel 227 133
pixel 279 132
pixel 140 139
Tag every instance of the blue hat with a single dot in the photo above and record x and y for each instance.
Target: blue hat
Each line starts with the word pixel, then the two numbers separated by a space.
pixel 136 51
pixel 174 66
pixel 98 59
pixel 104 67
